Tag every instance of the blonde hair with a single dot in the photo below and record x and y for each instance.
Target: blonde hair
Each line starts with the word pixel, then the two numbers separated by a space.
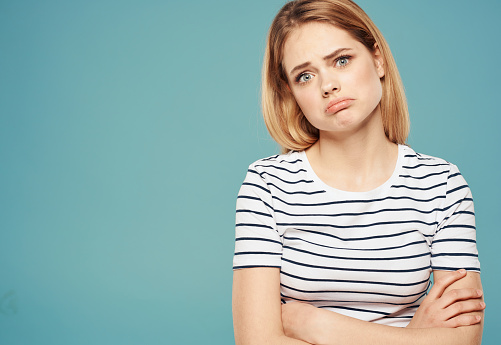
pixel 283 117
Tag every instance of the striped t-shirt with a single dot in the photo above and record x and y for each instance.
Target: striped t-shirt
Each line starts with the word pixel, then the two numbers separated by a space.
pixel 368 255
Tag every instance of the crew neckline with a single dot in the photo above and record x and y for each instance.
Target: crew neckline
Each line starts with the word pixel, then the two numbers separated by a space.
pixel 350 194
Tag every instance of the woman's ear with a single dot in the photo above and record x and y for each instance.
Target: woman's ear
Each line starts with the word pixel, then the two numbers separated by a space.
pixel 379 61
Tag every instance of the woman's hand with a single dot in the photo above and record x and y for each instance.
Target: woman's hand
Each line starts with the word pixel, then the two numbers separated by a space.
pixel 448 309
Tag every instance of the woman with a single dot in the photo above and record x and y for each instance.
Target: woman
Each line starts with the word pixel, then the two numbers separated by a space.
pixel 336 238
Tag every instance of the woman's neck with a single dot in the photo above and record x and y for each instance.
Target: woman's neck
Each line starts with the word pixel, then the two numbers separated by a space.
pixel 357 162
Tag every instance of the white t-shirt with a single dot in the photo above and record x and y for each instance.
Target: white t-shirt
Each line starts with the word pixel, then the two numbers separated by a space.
pixel 368 255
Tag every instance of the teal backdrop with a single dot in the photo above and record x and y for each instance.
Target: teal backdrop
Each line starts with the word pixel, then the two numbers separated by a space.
pixel 126 129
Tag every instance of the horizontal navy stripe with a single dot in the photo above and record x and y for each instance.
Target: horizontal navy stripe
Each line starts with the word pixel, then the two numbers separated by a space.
pixel 351 281
pixel 464 212
pixel 424 165
pixel 298 192
pixel 425 176
pixel 297 225
pixel 457 188
pixel 254 198
pixel 253 266
pixel 270 158
pixel 373 270
pixel 454 175
pixel 256 185
pixel 418 157
pixel 457 226
pixel 412 307
pixel 398 317
pixel 358 258
pixel 442 268
pixel 355 309
pixel 257 239
pixel 361 238
pixel 257 253
pixel 455 254
pixel 360 201
pixel 457 202
pixel 254 212
pixel 421 157
pixel 455 240
pixel 357 249
pixel 280 168
pixel 458 213
pixel 419 188
pixel 356 214
pixel 285 181
pixel 421 293
pixel 284 161
pixel 254 225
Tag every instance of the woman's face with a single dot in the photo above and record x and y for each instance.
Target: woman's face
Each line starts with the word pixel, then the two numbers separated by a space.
pixel 334 78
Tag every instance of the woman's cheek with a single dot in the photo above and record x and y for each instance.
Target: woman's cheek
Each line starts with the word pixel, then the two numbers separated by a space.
pixel 308 103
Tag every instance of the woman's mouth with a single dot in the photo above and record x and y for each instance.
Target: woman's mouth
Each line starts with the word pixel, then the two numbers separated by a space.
pixel 338 104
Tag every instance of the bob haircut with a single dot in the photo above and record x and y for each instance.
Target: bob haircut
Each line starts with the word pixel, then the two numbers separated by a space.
pixel 283 117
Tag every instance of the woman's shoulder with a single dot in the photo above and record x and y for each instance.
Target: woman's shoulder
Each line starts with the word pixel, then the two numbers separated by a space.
pixel 286 162
pixel 426 165
pixel 278 170
pixel 423 159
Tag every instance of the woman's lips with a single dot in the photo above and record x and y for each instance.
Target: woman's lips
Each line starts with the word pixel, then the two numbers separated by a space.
pixel 338 104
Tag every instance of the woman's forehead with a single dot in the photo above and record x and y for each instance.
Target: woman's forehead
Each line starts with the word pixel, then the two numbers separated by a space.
pixel 315 40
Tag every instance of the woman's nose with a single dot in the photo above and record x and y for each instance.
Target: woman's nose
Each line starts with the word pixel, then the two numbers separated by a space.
pixel 329 86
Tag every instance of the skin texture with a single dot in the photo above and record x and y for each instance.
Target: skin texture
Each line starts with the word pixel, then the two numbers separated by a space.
pixel 353 154
pixel 355 76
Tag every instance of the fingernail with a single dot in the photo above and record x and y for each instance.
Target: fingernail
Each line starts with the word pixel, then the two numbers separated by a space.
pixel 462 271
pixel 477 318
pixel 479 292
pixel 482 304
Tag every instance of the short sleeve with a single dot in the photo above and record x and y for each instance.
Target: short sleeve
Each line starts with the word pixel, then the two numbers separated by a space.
pixel 454 244
pixel 257 241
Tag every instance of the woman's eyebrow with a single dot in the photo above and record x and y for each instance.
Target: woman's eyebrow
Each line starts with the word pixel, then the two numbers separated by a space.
pixel 335 52
pixel 301 66
pixel 327 57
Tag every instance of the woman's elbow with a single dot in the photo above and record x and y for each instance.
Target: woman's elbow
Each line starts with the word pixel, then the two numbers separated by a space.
pixel 471 335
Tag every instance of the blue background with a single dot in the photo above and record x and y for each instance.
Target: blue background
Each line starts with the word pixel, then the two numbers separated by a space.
pixel 126 128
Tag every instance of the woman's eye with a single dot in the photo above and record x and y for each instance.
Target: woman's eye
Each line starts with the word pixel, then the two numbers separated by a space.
pixel 342 61
pixel 305 77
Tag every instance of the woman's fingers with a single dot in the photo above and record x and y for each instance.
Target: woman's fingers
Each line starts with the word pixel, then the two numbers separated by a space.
pixel 463 307
pixel 462 320
pixel 441 284
pixel 457 295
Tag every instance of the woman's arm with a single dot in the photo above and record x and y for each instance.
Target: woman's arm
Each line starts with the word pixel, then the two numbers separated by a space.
pixel 257 310
pixel 320 326
pixel 449 306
